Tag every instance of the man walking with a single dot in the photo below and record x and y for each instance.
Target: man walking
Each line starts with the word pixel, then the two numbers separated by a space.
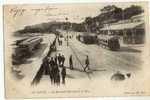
pixel 59 59
pixel 71 62
pixel 87 62
pixel 52 65
pixel 63 60
pixel 56 75
pixel 52 62
pixel 63 75
pixel 55 59
pixel 46 66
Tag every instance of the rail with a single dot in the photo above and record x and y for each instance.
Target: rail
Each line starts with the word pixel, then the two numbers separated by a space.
pixel 73 49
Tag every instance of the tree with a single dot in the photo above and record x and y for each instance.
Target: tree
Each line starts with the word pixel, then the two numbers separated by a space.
pixel 132 11
pixel 110 14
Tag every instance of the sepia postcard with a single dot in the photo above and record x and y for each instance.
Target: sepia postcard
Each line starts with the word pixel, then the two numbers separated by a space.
pixel 76 50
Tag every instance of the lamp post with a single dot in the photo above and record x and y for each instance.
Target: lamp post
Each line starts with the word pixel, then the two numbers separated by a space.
pixel 67 31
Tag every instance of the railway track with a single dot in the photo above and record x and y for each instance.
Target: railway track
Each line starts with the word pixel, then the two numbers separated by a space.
pixel 119 59
pixel 74 50
pixel 121 63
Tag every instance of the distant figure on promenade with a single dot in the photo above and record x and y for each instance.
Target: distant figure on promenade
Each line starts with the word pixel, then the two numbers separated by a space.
pixel 55 47
pixel 63 75
pixel 71 62
pixel 63 60
pixel 87 63
pixel 60 42
pixel 79 37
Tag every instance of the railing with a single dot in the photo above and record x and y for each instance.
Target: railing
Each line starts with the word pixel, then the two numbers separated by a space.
pixel 40 72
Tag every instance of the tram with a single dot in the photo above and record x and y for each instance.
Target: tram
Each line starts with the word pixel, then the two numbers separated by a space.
pixel 87 38
pixel 109 41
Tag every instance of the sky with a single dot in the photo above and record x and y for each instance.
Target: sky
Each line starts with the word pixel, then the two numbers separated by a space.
pixel 22 15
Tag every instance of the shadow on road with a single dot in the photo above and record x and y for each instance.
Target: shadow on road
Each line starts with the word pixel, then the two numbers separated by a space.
pixel 69 76
pixel 90 71
pixel 76 69
pixel 129 50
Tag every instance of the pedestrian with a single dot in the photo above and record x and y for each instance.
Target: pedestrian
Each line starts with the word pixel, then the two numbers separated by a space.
pixel 87 62
pixel 52 74
pixel 52 62
pixel 56 74
pixel 61 42
pixel 58 41
pixel 46 66
pixel 59 59
pixel 63 60
pixel 71 62
pixel 63 75
pixel 55 59
pixel 51 67
pixel 57 78
pixel 54 45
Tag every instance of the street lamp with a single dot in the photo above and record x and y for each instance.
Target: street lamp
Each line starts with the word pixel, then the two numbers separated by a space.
pixel 67 31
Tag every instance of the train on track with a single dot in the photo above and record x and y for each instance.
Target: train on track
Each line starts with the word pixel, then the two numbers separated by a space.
pixel 108 41
pixel 87 38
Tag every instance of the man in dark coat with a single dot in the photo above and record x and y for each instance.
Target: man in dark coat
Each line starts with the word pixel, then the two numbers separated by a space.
pixel 59 59
pixel 63 60
pixel 87 63
pixel 52 64
pixel 63 74
pixel 57 78
pixel 71 62
pixel 56 75
pixel 56 59
pixel 46 66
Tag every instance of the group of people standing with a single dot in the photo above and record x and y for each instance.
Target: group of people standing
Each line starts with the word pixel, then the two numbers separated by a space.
pixel 52 68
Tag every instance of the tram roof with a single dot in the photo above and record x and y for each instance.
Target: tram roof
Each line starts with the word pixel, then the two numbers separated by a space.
pixel 124 26
pixel 107 37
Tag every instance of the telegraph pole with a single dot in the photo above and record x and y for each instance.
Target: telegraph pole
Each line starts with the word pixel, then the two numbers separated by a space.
pixel 67 31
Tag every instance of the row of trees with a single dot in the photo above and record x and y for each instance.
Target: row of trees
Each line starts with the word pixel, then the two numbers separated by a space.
pixel 110 14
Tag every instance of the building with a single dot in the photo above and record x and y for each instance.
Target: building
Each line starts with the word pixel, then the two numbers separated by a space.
pixel 132 30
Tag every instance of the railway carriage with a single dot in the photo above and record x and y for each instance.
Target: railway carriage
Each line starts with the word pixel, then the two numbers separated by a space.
pixel 88 38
